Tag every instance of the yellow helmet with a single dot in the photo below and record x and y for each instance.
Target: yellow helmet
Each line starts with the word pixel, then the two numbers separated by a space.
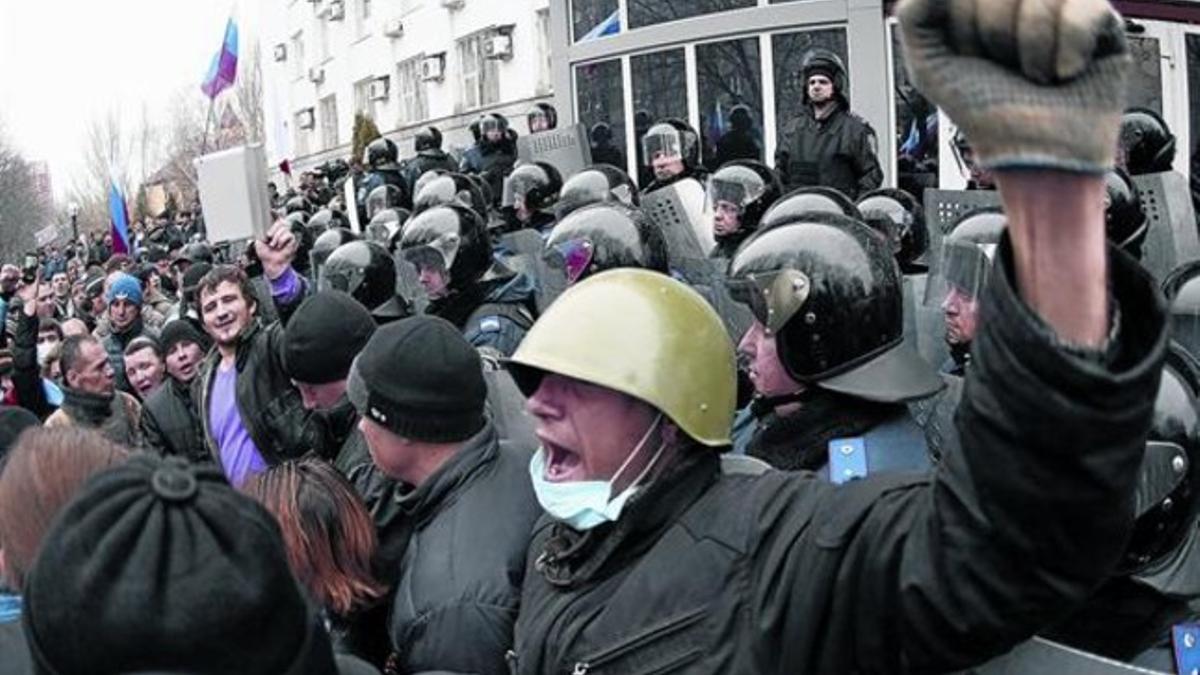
pixel 644 334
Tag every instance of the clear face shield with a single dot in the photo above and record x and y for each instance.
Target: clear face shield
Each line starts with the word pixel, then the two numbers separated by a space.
pixel 516 187
pixel 382 197
pixel 572 258
pixel 433 261
pixel 539 121
pixel 956 286
pixel 491 129
pixel 727 200
pixel 662 145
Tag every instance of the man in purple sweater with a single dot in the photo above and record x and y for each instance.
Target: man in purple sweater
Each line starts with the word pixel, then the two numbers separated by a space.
pixel 253 417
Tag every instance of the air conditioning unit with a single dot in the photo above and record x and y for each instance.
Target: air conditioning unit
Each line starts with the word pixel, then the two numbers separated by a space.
pixel 305 119
pixel 394 28
pixel 453 5
pixel 378 89
pixel 433 68
pixel 316 75
pixel 336 10
pixel 281 52
pixel 498 47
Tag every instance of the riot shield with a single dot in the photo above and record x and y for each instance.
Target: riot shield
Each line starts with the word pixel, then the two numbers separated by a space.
pixel 678 211
pixel 943 208
pixel 1043 657
pixel 566 148
pixel 1171 237
pixel 524 251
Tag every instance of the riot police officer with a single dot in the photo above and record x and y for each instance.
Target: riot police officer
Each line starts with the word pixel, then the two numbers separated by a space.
pixel 366 271
pixel 384 169
pixel 605 236
pixel 597 184
pixel 450 248
pixel 966 263
pixel 741 141
pixel 1125 223
pixel 384 197
pixel 451 189
pixel 494 153
pixel 898 214
pixel 826 352
pixel 603 150
pixel 738 195
pixel 430 157
pixel 530 194
pixel 829 145
pixel 541 117
pixel 671 149
pixel 803 201
pixel 325 244
pixel 1146 144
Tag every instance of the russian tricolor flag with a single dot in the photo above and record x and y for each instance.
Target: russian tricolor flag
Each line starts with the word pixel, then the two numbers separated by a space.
pixel 223 70
pixel 118 214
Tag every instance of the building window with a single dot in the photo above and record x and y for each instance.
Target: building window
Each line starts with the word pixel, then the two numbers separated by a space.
pixel 299 121
pixel 410 89
pixel 729 86
pixel 323 38
pixel 362 16
pixel 479 77
pixel 297 55
pixel 329 122
pixel 591 19
pixel 362 98
pixel 915 138
pixel 545 82
pixel 650 12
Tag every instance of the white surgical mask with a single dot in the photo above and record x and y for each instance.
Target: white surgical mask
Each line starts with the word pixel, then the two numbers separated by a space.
pixel 43 352
pixel 587 503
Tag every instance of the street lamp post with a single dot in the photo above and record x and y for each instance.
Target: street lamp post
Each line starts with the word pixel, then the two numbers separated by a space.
pixel 73 210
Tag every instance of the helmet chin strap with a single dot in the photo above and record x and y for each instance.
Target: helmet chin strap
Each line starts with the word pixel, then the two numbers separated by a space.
pixel 761 405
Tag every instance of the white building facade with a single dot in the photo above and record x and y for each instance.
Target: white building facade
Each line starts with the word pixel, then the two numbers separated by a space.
pixel 406 63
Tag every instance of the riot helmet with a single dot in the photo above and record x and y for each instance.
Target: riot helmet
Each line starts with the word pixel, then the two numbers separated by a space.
pixel 672 146
pixel 449 247
pixel 741 118
pixel 601 133
pixel 493 123
pixel 326 244
pixel 823 62
pixel 738 195
pixel 601 237
pixel 531 188
pixel 597 184
pixel 424 179
pixel 381 152
pixel 383 197
pixel 364 269
pixel 964 266
pixel 384 228
pixel 1168 494
pixel 297 204
pixel 428 138
pixel 542 117
pixel 321 221
pixel 828 289
pixel 1182 288
pixel 1146 143
pixel 900 216
pixel 807 200
pixel 197 252
pixel 1125 223
pixel 645 335
pixel 451 189
pixel 484 187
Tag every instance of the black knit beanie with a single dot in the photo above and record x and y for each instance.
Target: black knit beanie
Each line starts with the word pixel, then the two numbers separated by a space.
pixel 13 420
pixel 323 336
pixel 160 566
pixel 421 379
pixel 183 330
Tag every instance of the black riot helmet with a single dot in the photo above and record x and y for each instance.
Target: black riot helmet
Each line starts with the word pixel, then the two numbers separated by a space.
pixel 450 239
pixel 381 152
pixel 965 262
pixel 900 215
pixel 428 138
pixel 601 237
pixel 601 133
pixel 542 117
pixel 823 62
pixel 297 204
pixel 484 187
pixel 1146 142
pixel 324 219
pixel 807 200
pixel 492 122
pixel 383 197
pixel 1168 491
pixel 597 184
pixel 424 179
pixel 364 269
pixel 672 137
pixel 384 228
pixel 298 223
pixel 1125 223
pixel 749 187
pixel 197 252
pixel 451 189
pixel 535 185
pixel 827 287
pixel 326 244
pixel 1182 288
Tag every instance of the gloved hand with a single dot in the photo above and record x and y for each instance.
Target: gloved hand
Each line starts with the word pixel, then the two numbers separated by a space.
pixel 1035 84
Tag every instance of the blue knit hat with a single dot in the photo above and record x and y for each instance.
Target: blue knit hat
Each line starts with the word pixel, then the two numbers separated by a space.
pixel 126 287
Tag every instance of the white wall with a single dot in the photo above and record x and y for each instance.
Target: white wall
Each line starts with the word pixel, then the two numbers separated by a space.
pixel 428 28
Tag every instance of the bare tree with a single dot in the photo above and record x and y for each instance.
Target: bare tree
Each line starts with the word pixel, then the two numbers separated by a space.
pixel 22 211
pixel 248 94
pixel 108 154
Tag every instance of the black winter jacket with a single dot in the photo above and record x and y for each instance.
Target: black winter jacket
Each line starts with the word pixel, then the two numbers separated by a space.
pixel 171 424
pixel 460 584
pixel 837 152
pixel 716 572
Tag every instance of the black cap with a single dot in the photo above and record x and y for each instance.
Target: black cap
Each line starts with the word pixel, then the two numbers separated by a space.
pixel 183 330
pixel 421 379
pixel 323 336
pixel 161 566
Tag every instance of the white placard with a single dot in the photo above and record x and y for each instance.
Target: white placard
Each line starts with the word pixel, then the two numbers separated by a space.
pixel 233 193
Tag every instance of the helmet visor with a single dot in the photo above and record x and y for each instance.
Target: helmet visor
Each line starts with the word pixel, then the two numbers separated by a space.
pixel 737 194
pixel 516 187
pixel 661 144
pixel 773 297
pixel 340 278
pixel 961 273
pixel 572 257
pixel 437 255
pixel 490 124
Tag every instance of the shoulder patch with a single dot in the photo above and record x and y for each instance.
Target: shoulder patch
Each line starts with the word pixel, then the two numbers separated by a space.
pixel 490 324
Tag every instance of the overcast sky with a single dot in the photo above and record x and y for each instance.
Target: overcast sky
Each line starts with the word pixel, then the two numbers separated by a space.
pixel 63 62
